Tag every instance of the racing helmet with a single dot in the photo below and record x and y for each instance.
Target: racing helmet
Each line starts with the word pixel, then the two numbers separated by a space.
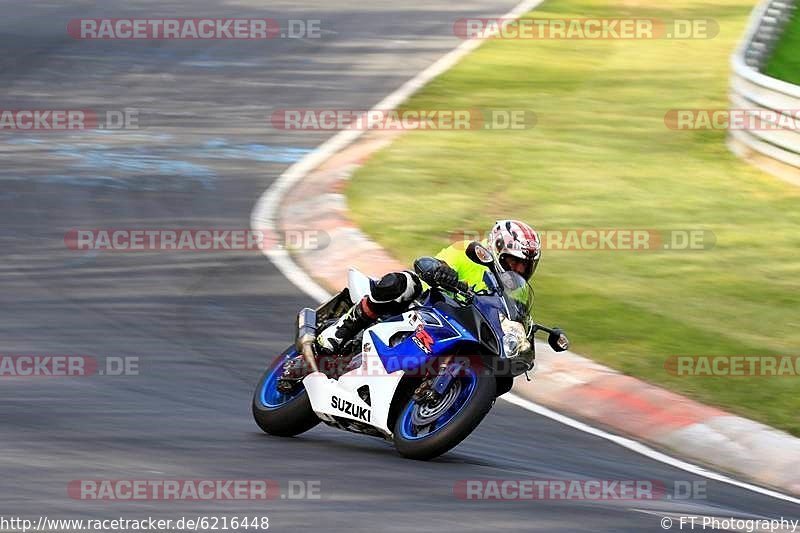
pixel 517 247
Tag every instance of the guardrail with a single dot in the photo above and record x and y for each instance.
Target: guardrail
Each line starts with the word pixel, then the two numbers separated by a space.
pixel 774 150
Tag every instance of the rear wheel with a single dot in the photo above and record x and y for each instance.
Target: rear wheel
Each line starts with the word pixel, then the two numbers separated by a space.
pixel 427 430
pixel 279 413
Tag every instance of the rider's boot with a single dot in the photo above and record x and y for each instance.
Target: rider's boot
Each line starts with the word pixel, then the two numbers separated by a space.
pixel 389 295
pixel 334 337
pixel 329 343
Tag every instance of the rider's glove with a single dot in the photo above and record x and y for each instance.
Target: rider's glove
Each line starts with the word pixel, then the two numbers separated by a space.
pixel 435 272
pixel 444 276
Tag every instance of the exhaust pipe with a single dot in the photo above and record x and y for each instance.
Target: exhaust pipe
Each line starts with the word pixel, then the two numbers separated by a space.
pixel 306 332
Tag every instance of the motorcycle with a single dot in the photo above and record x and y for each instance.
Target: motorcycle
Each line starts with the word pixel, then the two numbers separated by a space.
pixel 423 379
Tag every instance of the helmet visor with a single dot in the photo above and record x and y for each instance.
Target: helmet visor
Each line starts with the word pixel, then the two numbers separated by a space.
pixel 523 267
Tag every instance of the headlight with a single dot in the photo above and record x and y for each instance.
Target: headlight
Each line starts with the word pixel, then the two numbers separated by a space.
pixel 515 342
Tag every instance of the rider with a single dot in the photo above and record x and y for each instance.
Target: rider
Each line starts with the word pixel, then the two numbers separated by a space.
pixel 515 244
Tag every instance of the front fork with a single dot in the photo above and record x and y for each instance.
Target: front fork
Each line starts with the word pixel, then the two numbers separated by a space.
pixel 433 389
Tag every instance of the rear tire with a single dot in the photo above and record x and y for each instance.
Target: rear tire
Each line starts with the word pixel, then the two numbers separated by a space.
pixel 282 415
pixel 477 403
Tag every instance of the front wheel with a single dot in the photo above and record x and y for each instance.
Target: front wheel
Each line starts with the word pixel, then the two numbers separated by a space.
pixel 278 413
pixel 427 430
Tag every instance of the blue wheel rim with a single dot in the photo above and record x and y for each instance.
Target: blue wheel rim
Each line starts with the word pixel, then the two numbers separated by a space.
pixel 410 430
pixel 270 396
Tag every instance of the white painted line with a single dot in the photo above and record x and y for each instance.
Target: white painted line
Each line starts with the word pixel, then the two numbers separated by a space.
pixel 265 213
pixel 264 217
pixel 641 449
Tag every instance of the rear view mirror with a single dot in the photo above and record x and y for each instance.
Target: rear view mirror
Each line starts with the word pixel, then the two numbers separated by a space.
pixel 558 341
pixel 479 254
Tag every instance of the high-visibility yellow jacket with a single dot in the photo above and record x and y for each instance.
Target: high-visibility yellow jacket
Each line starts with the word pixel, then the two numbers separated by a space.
pixel 468 271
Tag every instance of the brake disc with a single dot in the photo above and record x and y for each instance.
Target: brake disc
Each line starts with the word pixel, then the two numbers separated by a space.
pixel 427 412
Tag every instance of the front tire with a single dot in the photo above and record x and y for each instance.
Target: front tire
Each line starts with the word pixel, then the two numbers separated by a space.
pixel 280 414
pixel 427 431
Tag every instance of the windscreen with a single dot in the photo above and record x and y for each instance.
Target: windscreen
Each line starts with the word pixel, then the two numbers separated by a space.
pixel 518 295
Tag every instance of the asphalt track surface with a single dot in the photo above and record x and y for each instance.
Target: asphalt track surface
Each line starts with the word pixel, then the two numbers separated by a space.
pixel 203 325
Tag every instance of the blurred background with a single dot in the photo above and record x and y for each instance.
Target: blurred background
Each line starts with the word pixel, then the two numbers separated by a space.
pixel 602 153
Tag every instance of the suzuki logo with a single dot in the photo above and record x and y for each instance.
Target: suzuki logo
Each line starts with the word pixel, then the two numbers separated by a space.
pixel 423 339
pixel 351 409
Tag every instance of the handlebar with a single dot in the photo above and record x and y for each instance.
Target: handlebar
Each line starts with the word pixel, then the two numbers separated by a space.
pixel 539 327
pixel 460 288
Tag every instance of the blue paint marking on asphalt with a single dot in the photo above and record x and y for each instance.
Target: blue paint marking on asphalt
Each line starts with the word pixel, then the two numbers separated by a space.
pixel 88 258
pixel 143 169
pixel 24 140
pixel 135 161
pixel 87 181
pixel 221 149
pixel 151 168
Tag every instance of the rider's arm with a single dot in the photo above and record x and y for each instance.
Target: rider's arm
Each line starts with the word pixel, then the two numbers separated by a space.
pixel 469 272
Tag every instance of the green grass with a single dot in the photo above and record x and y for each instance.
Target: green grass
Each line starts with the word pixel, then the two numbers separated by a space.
pixel 785 61
pixel 602 157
